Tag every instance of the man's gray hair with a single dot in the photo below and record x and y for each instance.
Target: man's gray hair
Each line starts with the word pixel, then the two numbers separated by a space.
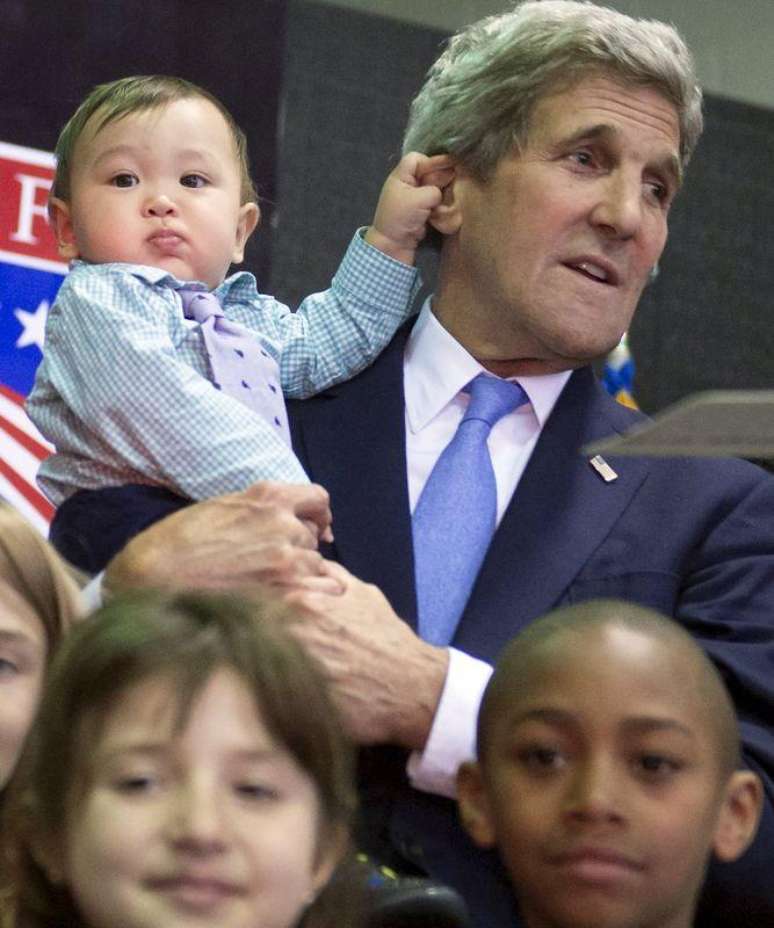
pixel 478 97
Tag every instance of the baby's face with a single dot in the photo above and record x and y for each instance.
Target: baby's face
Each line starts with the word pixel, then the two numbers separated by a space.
pixel 602 784
pixel 215 824
pixel 159 187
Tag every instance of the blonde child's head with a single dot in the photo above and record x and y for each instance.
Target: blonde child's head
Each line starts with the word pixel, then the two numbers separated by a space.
pixel 39 600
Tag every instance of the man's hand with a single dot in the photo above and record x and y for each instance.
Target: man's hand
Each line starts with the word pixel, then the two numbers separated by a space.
pixel 409 195
pixel 385 680
pixel 266 534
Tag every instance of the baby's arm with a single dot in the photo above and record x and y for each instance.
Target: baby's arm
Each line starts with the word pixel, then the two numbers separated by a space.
pixel 409 195
pixel 337 333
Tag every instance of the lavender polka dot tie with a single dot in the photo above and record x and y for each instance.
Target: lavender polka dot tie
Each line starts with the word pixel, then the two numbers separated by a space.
pixel 240 367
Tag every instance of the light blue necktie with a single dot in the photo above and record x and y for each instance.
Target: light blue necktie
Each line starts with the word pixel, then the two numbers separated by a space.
pixel 456 515
pixel 240 366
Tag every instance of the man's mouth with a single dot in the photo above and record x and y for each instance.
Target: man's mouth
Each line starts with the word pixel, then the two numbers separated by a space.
pixel 601 272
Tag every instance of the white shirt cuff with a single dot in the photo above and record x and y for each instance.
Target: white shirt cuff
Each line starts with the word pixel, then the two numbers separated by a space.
pixel 452 738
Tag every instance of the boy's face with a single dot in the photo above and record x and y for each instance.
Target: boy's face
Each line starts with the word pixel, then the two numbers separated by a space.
pixel 601 784
pixel 159 187
pixel 214 824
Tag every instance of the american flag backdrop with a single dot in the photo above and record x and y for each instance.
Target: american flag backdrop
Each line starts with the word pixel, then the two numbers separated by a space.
pixel 30 275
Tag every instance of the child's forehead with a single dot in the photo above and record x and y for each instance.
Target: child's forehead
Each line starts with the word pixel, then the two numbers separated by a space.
pixel 166 707
pixel 196 114
pixel 615 673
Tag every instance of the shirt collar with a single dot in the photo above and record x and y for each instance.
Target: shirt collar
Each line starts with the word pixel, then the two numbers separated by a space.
pixel 437 367
pixel 240 287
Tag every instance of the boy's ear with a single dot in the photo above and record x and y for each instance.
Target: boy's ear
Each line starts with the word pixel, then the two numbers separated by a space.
pixel 446 218
pixel 739 815
pixel 473 802
pixel 249 216
pixel 62 223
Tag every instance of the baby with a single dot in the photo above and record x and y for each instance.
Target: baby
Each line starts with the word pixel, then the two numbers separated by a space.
pixel 608 770
pixel 146 378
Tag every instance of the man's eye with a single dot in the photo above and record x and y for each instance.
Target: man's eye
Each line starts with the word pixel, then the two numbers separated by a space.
pixel 658 191
pixel 584 158
pixel 123 180
pixel 193 180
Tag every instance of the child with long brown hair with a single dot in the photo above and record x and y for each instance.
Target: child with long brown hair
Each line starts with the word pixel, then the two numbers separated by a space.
pixel 186 767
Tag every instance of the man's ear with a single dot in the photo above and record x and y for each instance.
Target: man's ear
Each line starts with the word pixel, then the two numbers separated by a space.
pixel 249 216
pixel 62 224
pixel 739 815
pixel 446 218
pixel 473 802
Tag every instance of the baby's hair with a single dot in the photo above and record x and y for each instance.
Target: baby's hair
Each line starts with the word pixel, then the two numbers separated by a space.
pixel 578 619
pixel 31 567
pixel 183 638
pixel 110 102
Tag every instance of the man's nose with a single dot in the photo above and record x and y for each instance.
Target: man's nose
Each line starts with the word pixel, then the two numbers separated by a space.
pixel 196 820
pixel 618 211
pixel 159 204
pixel 594 793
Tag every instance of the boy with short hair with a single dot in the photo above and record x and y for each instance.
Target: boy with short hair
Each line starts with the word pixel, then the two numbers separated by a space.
pixel 153 201
pixel 608 770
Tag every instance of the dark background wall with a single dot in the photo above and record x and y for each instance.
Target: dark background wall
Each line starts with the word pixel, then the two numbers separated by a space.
pixel 708 319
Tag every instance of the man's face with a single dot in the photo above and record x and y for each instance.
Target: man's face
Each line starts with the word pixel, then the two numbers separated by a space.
pixel 552 252
pixel 601 783
pixel 159 187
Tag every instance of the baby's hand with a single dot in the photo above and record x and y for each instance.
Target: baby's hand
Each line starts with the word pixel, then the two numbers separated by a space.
pixel 409 195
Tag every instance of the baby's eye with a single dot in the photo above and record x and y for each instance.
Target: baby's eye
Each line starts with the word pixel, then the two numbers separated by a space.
pixel 124 179
pixel 193 180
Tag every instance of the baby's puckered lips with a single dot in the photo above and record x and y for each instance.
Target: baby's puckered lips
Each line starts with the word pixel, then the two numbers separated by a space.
pixel 595 268
pixel 166 240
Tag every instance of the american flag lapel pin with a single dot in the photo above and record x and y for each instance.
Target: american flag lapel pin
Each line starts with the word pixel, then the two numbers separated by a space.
pixel 604 470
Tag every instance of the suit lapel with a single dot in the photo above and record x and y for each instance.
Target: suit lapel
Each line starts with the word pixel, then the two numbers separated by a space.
pixel 351 439
pixel 560 513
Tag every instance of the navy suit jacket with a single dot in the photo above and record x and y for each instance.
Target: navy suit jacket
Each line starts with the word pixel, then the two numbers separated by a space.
pixel 692 538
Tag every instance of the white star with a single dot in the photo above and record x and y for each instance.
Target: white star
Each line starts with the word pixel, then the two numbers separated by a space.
pixel 33 325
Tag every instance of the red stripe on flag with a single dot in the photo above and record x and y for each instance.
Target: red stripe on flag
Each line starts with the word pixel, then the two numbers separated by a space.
pixel 26 441
pixel 35 499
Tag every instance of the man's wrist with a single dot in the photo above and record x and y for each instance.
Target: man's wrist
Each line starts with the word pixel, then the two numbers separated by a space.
pixel 427 669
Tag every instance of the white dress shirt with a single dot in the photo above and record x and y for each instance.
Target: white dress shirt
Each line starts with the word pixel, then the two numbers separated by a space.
pixel 436 368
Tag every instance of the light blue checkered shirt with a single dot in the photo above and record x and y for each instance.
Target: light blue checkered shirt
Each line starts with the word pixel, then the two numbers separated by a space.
pixel 124 389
